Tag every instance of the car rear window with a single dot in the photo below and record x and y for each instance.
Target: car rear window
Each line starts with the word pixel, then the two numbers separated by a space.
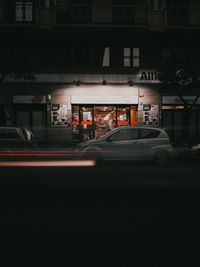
pixel 149 133
pixel 8 134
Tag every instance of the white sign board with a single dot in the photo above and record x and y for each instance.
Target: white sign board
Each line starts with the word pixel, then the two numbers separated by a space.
pixel 82 99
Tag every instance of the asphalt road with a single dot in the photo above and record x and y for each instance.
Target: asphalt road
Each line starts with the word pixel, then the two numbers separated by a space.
pixel 91 213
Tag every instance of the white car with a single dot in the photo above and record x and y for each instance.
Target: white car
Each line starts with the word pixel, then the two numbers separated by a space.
pixel 130 143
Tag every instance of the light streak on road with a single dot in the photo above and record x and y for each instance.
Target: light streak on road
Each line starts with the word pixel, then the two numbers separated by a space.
pixel 69 163
pixel 35 154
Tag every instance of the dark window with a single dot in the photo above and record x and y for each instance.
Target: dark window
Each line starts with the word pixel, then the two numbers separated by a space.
pixel 148 133
pixel 176 56
pixel 47 3
pixel 9 134
pixel 127 134
pixel 79 11
pixel 178 12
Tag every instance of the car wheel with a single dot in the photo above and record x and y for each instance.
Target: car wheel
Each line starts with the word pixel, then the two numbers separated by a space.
pixel 161 158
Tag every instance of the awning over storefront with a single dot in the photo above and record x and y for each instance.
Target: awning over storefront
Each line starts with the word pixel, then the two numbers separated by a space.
pixel 82 99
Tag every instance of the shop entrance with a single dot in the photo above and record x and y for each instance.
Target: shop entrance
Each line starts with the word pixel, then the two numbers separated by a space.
pixel 93 121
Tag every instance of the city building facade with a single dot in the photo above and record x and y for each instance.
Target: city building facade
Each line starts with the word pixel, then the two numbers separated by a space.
pixel 73 70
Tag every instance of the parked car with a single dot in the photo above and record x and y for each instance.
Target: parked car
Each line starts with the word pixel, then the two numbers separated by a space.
pixel 130 143
pixel 16 137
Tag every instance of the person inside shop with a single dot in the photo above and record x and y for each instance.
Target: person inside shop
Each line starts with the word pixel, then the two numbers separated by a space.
pixel 89 130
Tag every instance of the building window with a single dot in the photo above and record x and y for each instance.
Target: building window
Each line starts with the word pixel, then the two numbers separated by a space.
pixel 24 11
pixel 101 11
pixel 131 57
pixel 195 12
pixel 156 4
pixel 178 13
pixel 47 3
pixel 173 56
pixel 106 57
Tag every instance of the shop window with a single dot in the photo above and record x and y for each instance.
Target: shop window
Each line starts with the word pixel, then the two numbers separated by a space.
pixel 123 116
pixel 76 127
pixel 131 57
pixel 104 119
pixel 24 11
pixel 75 115
pixel 133 114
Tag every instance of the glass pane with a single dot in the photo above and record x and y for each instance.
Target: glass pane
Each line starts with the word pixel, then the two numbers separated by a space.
pixel 75 113
pixel 122 135
pixel 104 119
pixel 136 62
pixel 127 62
pixel 123 116
pixel 125 135
pixel 147 133
pixel 86 123
pixel 136 52
pixel 127 52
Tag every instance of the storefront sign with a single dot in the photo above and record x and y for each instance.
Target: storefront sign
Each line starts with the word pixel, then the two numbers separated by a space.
pixel 150 114
pixel 182 77
pixel 151 76
pixel 58 114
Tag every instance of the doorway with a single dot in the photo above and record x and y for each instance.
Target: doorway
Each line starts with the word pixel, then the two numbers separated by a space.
pixel 33 117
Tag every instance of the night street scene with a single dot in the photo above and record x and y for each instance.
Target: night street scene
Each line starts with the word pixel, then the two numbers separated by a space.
pixel 100 132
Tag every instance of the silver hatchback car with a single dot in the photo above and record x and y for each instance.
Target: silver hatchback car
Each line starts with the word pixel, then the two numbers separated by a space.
pixel 130 143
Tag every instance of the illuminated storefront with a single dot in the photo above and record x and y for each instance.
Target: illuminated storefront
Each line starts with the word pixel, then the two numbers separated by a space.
pixel 90 121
